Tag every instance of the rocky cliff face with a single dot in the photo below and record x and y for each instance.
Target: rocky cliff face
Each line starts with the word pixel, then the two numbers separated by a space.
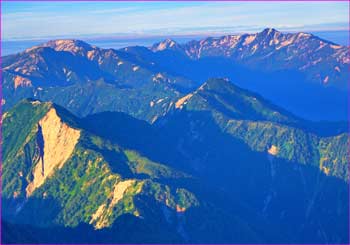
pixel 56 142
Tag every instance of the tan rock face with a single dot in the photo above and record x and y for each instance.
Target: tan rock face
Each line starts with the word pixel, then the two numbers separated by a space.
pixel 180 209
pixel 273 150
pixel 22 82
pixel 179 104
pixel 98 214
pixel 58 143
pixel 119 190
pixel 15 194
pixel 66 45
pixel 249 39
pixel 102 214
pixel 326 170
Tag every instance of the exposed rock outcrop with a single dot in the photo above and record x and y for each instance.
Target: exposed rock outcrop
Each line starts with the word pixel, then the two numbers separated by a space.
pixel 56 141
pixel 100 218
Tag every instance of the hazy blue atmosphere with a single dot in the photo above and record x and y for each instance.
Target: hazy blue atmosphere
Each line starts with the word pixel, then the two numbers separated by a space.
pixel 50 19
pixel 11 47
pixel 120 24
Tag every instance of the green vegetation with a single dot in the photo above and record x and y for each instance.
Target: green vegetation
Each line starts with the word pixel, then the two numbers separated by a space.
pixel 260 125
pixel 101 96
pixel 334 155
pixel 20 125
pixel 181 198
pixel 87 179
pixel 142 165
pixel 19 149
pixel 234 102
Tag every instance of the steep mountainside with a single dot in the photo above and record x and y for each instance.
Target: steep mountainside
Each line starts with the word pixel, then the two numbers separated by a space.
pixel 57 173
pixel 223 178
pixel 293 177
pixel 51 160
pixel 264 127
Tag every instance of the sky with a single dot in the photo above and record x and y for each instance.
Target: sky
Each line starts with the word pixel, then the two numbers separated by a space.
pixel 35 20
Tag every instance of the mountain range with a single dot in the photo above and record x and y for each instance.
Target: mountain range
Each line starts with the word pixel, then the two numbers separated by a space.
pixel 300 72
pixel 141 145
pixel 271 50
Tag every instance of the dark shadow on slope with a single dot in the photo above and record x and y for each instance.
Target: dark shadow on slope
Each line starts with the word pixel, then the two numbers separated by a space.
pixel 40 143
pixel 126 229
pixel 240 178
pixel 247 177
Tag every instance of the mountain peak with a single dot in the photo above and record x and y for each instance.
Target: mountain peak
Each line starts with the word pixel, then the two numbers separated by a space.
pixel 304 34
pixel 166 44
pixel 214 82
pixel 223 96
pixel 269 31
pixel 70 45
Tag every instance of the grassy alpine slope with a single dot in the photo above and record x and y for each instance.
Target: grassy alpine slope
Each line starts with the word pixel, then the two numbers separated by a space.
pixel 265 127
pixel 96 183
pixel 59 174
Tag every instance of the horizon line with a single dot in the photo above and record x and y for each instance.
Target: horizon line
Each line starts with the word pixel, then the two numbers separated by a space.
pixel 126 36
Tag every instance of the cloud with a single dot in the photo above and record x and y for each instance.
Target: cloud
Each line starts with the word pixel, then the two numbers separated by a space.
pixel 86 18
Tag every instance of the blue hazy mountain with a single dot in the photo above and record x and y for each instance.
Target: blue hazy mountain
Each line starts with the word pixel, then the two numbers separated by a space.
pixel 300 72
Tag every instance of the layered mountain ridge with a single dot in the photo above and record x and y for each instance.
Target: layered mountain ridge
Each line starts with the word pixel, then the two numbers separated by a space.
pixel 265 127
pixel 301 51
pixel 104 171
pixel 143 145
pixel 76 76
pixel 276 65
